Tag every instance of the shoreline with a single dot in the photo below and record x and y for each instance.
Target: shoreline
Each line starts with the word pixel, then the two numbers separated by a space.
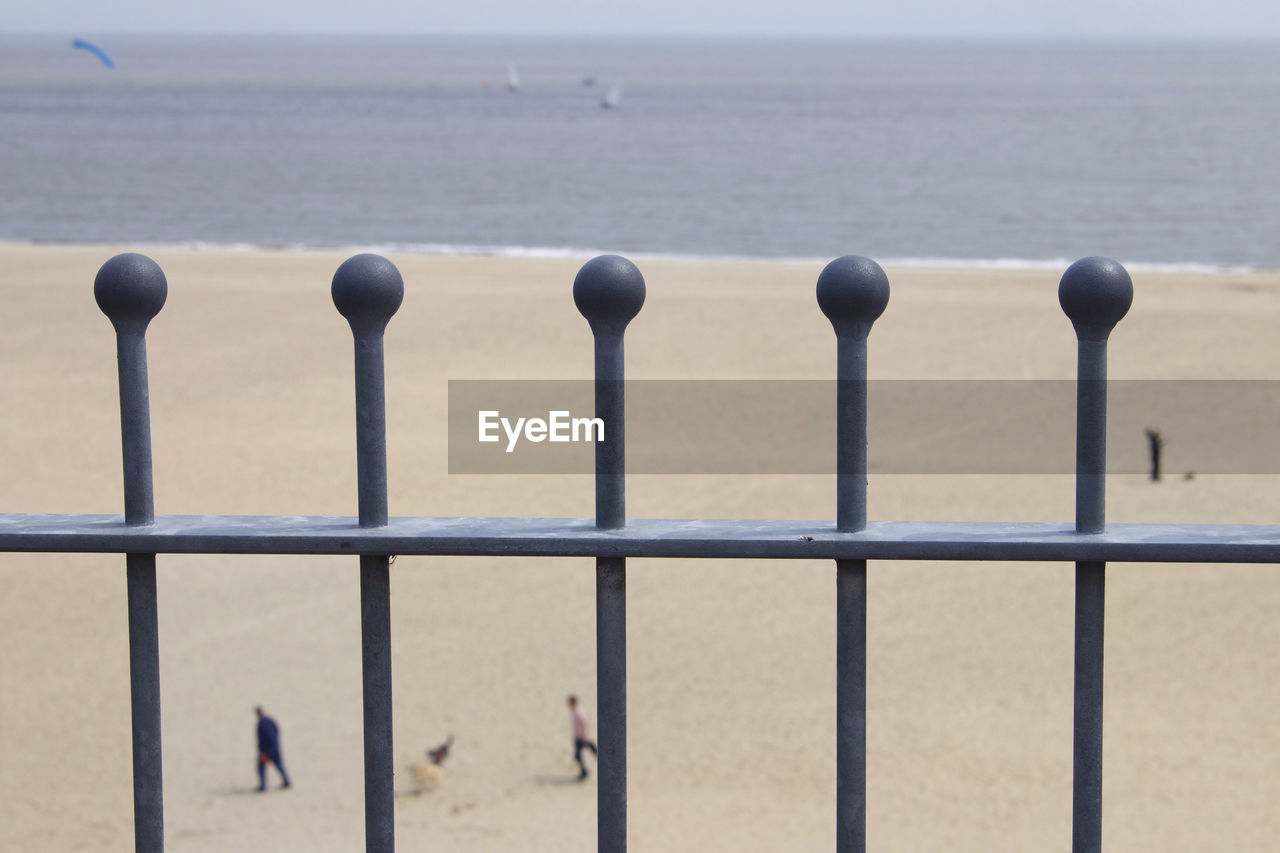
pixel 583 254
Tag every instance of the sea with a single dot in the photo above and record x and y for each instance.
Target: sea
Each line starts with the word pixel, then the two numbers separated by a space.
pixel 1010 152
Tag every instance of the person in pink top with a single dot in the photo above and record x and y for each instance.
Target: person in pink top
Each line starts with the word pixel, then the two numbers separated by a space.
pixel 580 739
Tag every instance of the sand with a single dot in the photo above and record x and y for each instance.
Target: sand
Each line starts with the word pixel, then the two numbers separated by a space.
pixel 731 663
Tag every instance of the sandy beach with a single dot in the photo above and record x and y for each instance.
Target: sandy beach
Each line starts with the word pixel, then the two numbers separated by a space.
pixel 731 663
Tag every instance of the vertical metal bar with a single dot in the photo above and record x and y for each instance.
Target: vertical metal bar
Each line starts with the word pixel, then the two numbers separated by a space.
pixel 1095 293
pixel 375 659
pixel 610 401
pixel 131 289
pixel 611 602
pixel 135 427
pixel 371 429
pixel 1091 435
pixel 611 703
pixel 851 433
pixel 609 291
pixel 1086 765
pixel 367 290
pixel 144 702
pixel 852 292
pixel 851 706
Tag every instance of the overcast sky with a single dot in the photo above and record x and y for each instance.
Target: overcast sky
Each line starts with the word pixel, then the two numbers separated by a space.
pixel 1154 18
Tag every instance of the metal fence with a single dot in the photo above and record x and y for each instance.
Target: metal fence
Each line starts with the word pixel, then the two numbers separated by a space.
pixel 852 292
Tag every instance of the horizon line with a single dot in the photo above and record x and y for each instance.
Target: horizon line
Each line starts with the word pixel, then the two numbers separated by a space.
pixel 1025 36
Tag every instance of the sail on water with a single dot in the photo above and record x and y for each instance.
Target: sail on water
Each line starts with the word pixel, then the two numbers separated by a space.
pixel 612 97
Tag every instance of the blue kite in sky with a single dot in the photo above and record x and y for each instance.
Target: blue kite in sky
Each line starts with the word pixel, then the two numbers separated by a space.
pixel 95 50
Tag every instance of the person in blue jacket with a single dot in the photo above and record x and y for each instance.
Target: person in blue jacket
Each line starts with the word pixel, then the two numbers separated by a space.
pixel 268 749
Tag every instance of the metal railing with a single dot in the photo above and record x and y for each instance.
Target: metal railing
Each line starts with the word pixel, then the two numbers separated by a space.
pixel 609 291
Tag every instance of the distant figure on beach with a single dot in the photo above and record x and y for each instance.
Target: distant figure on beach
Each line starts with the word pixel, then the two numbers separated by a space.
pixel 268 749
pixel 427 776
pixel 441 752
pixel 580 739
pixel 1154 443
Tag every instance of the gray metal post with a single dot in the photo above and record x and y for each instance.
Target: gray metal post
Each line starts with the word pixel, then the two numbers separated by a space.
pixel 367 290
pixel 852 292
pixel 1095 293
pixel 851 706
pixel 131 289
pixel 609 292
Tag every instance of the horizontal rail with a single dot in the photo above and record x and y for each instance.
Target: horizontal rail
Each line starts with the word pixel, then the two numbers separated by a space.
pixel 563 537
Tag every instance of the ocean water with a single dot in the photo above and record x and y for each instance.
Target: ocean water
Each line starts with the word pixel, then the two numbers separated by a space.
pixel 1017 152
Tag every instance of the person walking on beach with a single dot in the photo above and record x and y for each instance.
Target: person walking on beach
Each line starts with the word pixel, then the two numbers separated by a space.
pixel 268 749
pixel 580 739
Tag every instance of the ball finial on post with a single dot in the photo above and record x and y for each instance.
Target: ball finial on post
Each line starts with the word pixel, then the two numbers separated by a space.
pixel 609 292
pixel 130 289
pixel 853 292
pixel 1095 293
pixel 367 290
